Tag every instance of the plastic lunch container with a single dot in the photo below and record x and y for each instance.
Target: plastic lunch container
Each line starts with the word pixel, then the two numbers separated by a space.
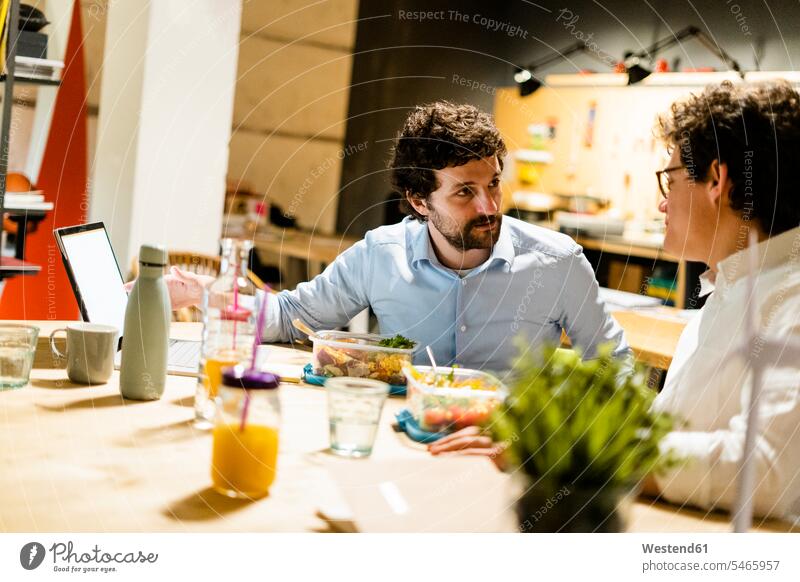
pixel 341 353
pixel 444 409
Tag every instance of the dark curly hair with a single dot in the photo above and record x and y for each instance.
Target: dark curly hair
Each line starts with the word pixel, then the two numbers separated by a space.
pixel 755 130
pixel 435 136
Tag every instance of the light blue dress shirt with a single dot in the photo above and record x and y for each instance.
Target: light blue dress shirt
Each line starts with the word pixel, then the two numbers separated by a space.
pixel 535 282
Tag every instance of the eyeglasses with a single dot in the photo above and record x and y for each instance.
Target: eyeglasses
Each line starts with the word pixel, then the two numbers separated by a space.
pixel 663 179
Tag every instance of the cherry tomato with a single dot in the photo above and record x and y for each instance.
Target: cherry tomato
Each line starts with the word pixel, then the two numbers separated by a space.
pixel 474 417
pixel 455 411
pixel 456 416
pixel 434 418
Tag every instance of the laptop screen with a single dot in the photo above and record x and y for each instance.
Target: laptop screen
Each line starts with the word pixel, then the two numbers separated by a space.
pixel 95 273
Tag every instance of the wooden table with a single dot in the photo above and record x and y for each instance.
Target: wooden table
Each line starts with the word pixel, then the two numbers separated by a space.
pixel 311 246
pixel 302 255
pixel 79 459
pixel 84 459
pixel 652 334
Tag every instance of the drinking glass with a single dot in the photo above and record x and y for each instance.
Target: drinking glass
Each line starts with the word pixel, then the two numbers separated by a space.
pixel 17 346
pixel 354 410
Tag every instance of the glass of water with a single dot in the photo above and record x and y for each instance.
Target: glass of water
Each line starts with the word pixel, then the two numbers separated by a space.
pixel 17 346
pixel 354 409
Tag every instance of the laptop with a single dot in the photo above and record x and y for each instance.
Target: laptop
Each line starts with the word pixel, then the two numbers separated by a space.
pixel 99 289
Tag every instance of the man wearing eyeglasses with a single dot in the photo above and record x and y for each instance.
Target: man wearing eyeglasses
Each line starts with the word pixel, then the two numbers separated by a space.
pixel 734 168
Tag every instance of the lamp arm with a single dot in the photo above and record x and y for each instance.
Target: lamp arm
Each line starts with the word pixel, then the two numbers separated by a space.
pixel 721 54
pixel 691 31
pixel 596 56
pixel 667 42
pixel 572 49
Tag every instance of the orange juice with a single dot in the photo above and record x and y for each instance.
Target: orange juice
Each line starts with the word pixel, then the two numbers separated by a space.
pixel 243 461
pixel 212 378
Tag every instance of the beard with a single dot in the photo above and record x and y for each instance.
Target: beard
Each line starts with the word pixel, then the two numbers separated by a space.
pixel 467 237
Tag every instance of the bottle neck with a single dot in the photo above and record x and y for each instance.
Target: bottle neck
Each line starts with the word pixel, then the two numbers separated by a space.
pixel 148 271
pixel 235 258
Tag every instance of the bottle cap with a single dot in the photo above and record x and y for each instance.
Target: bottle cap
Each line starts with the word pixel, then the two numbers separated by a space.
pixel 241 377
pixel 153 255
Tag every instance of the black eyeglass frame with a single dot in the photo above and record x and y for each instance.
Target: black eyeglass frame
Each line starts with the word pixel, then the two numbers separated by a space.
pixel 665 172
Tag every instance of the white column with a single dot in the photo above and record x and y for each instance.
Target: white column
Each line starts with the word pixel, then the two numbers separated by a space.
pixel 166 105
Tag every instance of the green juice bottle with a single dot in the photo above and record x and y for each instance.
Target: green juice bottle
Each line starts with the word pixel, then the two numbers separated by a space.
pixel 143 372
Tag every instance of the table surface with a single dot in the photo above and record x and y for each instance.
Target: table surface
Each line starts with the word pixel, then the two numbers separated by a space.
pixel 79 458
pixel 305 245
pixel 652 334
pixel 644 248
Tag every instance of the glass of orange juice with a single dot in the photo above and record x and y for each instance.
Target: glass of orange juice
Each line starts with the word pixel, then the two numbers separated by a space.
pixel 209 381
pixel 212 376
pixel 245 450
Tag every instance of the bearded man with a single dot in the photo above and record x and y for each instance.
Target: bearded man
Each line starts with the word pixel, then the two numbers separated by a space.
pixel 455 275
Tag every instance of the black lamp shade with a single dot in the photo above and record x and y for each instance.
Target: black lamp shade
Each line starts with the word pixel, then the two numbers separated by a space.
pixel 529 86
pixel 526 81
pixel 637 73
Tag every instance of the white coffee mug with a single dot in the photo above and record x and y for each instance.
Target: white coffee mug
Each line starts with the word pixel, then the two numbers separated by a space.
pixel 90 351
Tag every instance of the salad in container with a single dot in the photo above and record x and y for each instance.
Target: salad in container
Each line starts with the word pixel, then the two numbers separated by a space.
pixel 451 398
pixel 341 353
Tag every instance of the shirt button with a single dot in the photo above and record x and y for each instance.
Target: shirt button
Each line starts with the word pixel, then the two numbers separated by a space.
pixel 463 328
pixel 464 282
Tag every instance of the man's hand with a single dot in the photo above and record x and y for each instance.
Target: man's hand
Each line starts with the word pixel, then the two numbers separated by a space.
pixel 185 288
pixel 469 441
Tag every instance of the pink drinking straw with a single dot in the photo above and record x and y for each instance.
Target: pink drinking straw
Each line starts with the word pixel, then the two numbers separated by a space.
pixel 245 409
pixel 262 312
pixel 235 303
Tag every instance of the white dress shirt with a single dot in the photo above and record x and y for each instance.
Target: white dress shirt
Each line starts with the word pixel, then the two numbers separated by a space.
pixel 708 385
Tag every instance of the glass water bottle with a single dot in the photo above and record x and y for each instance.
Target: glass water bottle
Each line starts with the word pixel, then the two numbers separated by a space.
pixel 229 322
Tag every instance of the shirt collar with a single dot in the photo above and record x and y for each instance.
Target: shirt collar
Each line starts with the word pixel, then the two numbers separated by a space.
pixel 419 242
pixel 771 253
pixel 421 249
pixel 706 283
pixel 504 247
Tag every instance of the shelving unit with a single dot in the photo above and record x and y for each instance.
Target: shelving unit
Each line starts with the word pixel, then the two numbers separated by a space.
pixel 27 217
pixel 31 81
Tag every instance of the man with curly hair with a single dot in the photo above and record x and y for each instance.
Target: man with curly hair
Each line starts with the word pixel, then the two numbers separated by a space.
pixel 456 274
pixel 733 171
pixel 735 155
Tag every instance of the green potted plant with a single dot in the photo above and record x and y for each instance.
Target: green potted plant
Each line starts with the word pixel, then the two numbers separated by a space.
pixel 581 435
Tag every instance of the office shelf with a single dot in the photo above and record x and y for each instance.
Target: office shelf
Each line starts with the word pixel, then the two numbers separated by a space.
pixel 11 267
pixel 31 80
pixel 27 217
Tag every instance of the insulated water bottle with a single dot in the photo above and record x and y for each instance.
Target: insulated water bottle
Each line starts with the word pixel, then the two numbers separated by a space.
pixel 143 371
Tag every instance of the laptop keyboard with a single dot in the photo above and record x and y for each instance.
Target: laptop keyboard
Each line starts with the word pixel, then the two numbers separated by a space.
pixel 184 353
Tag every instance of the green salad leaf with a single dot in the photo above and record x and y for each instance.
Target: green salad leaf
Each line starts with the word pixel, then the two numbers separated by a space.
pixel 399 342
